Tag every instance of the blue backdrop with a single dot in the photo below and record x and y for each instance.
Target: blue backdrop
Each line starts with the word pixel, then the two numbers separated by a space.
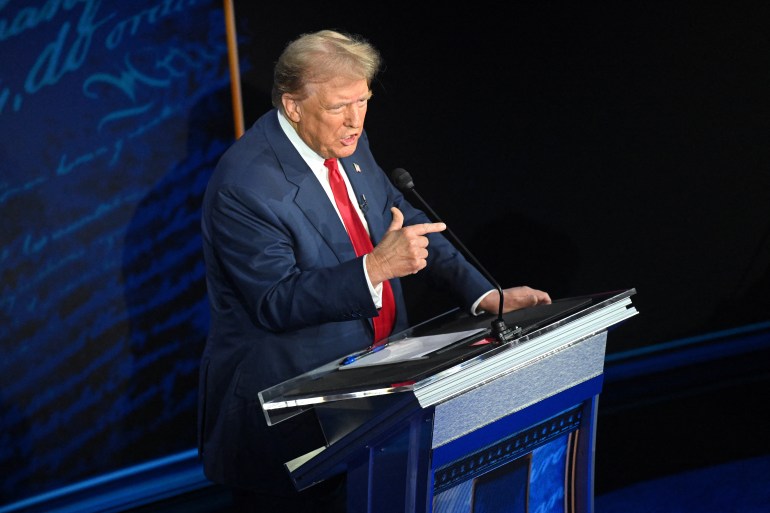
pixel 112 115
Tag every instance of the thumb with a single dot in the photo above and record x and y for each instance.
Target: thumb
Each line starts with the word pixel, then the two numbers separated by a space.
pixel 398 220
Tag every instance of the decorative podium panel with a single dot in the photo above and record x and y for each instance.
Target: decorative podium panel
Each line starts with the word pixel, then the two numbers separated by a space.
pixel 444 419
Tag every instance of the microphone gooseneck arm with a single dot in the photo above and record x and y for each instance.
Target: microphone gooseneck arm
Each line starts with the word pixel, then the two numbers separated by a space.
pixel 403 181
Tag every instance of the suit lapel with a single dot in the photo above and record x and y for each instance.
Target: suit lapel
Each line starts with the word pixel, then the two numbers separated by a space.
pixel 360 180
pixel 310 198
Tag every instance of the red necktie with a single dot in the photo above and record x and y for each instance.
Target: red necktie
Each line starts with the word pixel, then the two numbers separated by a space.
pixel 383 323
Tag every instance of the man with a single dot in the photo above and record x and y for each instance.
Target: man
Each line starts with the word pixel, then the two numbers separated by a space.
pixel 290 289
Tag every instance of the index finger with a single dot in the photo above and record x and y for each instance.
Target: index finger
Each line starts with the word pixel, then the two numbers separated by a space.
pixel 423 228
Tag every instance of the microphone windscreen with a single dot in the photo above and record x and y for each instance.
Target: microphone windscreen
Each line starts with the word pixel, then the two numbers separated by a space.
pixel 402 179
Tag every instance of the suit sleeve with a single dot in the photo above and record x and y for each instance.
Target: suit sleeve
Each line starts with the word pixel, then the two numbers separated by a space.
pixel 289 279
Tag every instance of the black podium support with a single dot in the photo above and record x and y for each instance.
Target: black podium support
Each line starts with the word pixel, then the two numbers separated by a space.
pixel 503 428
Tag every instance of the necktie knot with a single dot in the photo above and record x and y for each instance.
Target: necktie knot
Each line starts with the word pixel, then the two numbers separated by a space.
pixel 331 165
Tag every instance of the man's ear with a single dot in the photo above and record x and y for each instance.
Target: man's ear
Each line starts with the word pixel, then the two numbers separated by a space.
pixel 291 107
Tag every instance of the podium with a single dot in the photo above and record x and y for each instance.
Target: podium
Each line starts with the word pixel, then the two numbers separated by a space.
pixel 443 419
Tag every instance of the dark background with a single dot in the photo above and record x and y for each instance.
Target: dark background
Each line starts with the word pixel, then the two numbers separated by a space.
pixel 575 148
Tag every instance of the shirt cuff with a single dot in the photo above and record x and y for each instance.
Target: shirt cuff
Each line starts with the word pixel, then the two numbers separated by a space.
pixel 475 307
pixel 376 292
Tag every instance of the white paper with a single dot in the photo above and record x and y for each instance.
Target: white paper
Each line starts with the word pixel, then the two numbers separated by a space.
pixel 410 348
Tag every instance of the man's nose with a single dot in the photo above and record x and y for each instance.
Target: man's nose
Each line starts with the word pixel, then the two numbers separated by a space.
pixel 354 115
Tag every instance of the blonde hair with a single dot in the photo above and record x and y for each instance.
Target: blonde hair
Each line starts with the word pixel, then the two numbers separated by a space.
pixel 319 56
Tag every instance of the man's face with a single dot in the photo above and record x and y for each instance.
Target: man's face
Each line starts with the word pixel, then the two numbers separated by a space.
pixel 331 118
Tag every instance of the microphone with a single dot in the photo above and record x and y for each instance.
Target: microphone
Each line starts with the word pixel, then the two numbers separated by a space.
pixel 502 333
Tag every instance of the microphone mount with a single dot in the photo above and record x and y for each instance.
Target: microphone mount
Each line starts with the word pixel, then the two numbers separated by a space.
pixel 500 331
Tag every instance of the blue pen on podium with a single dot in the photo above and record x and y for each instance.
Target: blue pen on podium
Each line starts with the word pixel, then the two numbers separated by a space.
pixel 355 357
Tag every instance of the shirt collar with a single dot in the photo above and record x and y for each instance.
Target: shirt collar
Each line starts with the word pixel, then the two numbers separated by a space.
pixel 313 159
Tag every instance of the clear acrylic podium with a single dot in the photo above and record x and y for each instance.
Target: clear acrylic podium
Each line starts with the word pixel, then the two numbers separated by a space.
pixel 444 420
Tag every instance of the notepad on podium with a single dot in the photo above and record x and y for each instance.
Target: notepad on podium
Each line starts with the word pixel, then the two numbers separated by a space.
pixel 411 348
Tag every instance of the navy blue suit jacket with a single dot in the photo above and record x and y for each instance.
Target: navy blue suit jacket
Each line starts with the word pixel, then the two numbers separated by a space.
pixel 287 294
